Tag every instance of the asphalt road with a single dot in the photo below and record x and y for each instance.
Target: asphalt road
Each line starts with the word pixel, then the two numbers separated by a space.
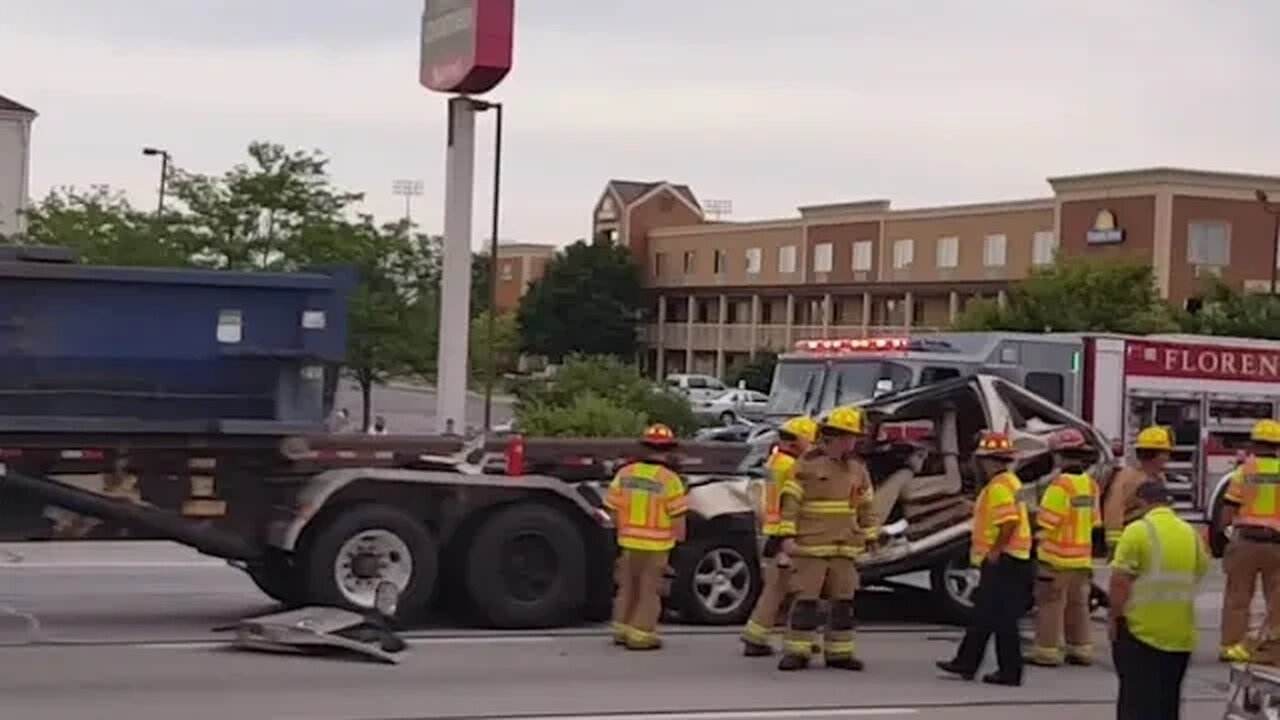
pixel 125 631
pixel 412 410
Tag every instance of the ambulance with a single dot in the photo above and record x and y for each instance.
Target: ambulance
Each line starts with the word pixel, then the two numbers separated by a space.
pixel 1207 390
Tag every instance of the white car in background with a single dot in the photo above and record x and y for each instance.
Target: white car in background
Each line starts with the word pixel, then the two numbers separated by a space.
pixel 734 406
pixel 698 388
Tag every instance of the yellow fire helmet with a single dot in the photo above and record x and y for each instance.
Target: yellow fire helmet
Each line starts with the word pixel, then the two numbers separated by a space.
pixel 1154 438
pixel 1266 431
pixel 845 419
pixel 803 427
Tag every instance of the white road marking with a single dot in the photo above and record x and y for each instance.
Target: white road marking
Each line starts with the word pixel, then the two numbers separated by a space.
pixel 847 712
pixel 412 641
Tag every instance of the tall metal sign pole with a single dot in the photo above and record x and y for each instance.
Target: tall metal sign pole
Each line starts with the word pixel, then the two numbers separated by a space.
pixel 467 48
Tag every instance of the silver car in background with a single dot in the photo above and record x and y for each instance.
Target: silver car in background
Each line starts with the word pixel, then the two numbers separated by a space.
pixel 733 406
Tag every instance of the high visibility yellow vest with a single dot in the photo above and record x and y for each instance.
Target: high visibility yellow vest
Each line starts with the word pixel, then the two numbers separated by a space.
pixel 1254 486
pixel 1168 559
pixel 779 465
pixel 998 504
pixel 1068 514
pixel 645 499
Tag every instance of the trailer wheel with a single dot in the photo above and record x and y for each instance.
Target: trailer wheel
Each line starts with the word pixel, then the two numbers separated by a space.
pixel 526 567
pixel 366 544
pixel 278 578
pixel 717 580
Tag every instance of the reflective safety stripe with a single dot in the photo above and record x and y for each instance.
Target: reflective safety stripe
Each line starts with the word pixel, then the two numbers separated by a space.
pixel 787 528
pixel 842 648
pixel 801 648
pixel 779 465
pixel 1068 514
pixel 755 632
pixel 646 498
pixel 1161 585
pixel 826 507
pixel 1259 493
pixel 793 488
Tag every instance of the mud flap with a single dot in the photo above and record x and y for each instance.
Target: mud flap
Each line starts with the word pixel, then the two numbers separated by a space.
pixel 319 630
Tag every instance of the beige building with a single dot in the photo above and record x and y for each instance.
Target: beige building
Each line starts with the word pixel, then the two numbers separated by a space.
pixel 724 290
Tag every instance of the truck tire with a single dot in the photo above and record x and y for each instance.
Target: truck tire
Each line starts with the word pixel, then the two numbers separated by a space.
pixel 279 579
pixel 366 543
pixel 526 567
pixel 717 580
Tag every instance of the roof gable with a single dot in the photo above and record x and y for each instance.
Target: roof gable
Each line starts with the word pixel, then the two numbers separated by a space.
pixel 14 106
pixel 630 191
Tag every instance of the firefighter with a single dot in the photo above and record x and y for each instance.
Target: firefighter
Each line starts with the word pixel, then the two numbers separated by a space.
pixel 1001 546
pixel 826 520
pixel 1252 515
pixel 1153 447
pixel 1159 562
pixel 794 438
pixel 648 502
pixel 1066 519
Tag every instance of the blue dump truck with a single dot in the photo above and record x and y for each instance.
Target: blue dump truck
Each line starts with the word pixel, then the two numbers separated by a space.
pixel 190 406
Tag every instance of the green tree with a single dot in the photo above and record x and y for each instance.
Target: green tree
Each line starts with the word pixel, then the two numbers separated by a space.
pixel 103 228
pixel 1224 311
pixel 1078 295
pixel 757 373
pixel 587 385
pixel 505 344
pixel 248 217
pixel 588 301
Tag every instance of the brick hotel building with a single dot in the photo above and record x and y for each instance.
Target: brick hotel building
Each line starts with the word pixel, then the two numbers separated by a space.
pixel 723 290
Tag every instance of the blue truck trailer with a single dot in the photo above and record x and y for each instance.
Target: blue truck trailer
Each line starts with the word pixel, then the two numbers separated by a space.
pixel 190 406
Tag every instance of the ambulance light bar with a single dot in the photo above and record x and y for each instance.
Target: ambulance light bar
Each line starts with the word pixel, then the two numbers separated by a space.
pixel 854 345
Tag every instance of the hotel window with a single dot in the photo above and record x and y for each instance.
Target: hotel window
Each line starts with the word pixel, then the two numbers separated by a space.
pixel 948 255
pixel 507 272
pixel 1044 247
pixel 862 256
pixel 994 250
pixel 659 264
pixel 1209 243
pixel 719 262
pixel 753 261
pixel 787 259
pixel 822 258
pixel 690 261
pixel 904 252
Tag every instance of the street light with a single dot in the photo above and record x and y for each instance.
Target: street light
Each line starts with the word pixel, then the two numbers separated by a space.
pixel 491 356
pixel 1274 209
pixel 164 173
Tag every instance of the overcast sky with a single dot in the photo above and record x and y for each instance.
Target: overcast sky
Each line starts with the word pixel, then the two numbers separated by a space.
pixel 767 103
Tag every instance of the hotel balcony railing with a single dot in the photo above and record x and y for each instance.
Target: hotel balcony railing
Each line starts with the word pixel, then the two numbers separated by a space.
pixel 737 337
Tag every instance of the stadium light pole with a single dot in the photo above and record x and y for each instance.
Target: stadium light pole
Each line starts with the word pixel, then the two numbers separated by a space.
pixel 408 189
pixel 491 357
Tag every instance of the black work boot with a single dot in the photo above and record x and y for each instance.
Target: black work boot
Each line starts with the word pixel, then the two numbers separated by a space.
pixel 755 649
pixel 793 662
pixel 846 663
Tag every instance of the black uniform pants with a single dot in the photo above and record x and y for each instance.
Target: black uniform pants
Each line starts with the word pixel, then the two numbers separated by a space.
pixel 998 602
pixel 1150 679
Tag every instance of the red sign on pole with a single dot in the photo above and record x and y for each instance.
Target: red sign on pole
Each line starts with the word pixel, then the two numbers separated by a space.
pixel 467 45
pixel 1205 362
